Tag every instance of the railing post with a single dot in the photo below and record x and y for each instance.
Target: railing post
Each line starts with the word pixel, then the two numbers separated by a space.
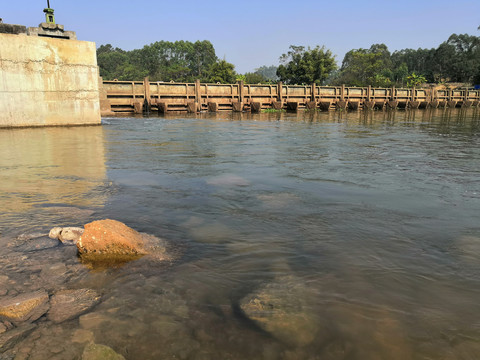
pixel 280 91
pixel 342 92
pixel 237 106
pixel 240 90
pixel 198 97
pixel 314 88
pixel 148 100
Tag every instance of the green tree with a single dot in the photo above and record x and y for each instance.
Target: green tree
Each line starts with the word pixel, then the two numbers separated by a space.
pixel 201 59
pixel 111 61
pixel 268 72
pixel 362 67
pixel 400 73
pixel 306 66
pixel 222 72
pixel 254 78
pixel 465 60
pixel 181 61
pixel 419 61
pixel 414 80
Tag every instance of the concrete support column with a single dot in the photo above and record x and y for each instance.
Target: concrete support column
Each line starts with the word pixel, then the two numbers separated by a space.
pixel 146 86
pixel 280 91
pixel 198 95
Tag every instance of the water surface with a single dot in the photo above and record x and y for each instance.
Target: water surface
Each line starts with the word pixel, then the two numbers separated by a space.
pixel 364 226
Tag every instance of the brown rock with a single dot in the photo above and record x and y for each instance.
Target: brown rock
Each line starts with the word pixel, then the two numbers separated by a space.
pixel 82 336
pixel 93 320
pixel 3 285
pixel 110 239
pixel 24 308
pixel 69 304
pixel 9 339
pixel 281 308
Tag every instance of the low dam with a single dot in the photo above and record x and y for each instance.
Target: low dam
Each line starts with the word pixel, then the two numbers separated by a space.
pixel 140 96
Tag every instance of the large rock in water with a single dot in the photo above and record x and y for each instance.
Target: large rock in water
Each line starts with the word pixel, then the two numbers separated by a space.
pixel 282 309
pixel 110 242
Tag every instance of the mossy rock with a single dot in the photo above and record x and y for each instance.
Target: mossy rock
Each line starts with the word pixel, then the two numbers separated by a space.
pixel 100 352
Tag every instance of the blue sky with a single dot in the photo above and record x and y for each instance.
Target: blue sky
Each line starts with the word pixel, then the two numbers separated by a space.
pixel 251 33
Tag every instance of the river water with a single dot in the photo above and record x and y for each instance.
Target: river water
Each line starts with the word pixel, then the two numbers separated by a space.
pixel 295 236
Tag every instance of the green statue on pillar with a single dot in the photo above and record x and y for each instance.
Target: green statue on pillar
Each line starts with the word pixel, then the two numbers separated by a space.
pixel 49 14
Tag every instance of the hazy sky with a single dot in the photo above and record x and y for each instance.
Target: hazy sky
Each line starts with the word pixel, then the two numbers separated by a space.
pixel 251 33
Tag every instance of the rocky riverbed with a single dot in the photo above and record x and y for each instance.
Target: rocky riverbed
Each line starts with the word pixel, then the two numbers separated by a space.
pixel 48 296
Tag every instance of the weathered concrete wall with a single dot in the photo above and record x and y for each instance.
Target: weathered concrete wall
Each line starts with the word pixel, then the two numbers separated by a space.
pixel 47 81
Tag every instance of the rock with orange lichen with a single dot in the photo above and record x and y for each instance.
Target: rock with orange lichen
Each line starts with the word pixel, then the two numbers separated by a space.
pixel 112 242
pixel 25 307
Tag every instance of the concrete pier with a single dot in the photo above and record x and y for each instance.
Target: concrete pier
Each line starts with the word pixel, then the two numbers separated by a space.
pixel 47 80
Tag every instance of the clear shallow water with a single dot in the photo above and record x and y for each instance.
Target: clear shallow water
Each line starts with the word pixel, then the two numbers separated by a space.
pixel 364 226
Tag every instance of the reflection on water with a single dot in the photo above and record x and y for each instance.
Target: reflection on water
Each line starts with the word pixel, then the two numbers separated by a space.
pixel 336 235
pixel 51 166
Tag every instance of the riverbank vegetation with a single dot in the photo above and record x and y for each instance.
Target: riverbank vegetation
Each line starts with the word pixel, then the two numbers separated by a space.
pixel 455 60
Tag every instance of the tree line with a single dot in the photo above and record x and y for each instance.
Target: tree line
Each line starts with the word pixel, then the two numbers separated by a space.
pixel 455 60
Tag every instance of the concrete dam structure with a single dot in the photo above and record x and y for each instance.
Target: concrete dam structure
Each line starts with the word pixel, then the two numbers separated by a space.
pixel 47 77
pixel 139 96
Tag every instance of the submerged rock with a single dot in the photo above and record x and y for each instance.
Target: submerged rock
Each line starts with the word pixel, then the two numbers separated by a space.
pixel 100 352
pixel 53 276
pixel 42 243
pixel 280 308
pixel 32 242
pixel 69 304
pixel 69 211
pixel 93 320
pixel 24 308
pixel 12 337
pixel 82 336
pixel 28 236
pixel 3 285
